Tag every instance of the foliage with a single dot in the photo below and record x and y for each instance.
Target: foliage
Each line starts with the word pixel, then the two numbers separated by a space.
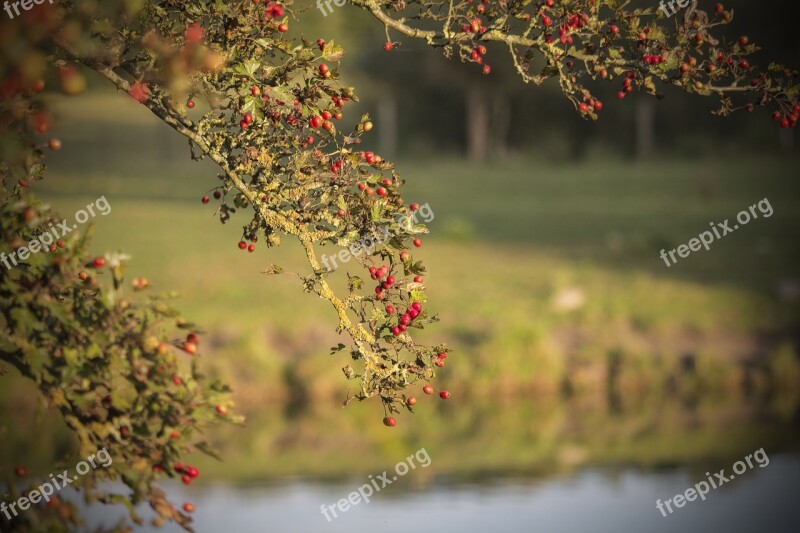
pixel 581 42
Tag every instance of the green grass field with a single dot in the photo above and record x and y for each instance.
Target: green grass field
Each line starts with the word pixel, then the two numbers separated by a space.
pixel 510 240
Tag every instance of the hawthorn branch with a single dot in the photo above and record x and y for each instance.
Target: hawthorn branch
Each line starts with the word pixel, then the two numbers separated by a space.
pixel 362 338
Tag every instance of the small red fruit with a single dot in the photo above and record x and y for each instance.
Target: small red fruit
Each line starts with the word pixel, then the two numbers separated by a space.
pixel 411 401
pixel 389 421
pixel 242 245
pixel 205 199
pixel 188 507
pixel 176 379
pixel 221 410
pixel 54 144
pixel 190 348
pixel 444 395
pixel 486 69
pixel 283 28
pixel 186 479
pixel 193 472
pixel 388 46
pixel 390 309
pixel 21 471
pixel 427 389
pixel 99 262
pixel 251 248
pixel 190 104
pixel 418 242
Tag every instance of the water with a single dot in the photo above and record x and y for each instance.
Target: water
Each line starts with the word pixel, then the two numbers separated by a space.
pixel 762 499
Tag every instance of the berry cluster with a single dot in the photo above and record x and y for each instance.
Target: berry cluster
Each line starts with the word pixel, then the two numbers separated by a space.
pixel 188 473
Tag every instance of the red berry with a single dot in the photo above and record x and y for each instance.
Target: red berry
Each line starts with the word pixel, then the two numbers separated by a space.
pixel 444 395
pixel 188 507
pixel 176 379
pixel 417 242
pixel 217 195
pixel 243 124
pixel 323 68
pixel 546 21
pixel 719 8
pixel 21 471
pixel 192 337
pixel 186 479
pixel 283 28
pixel 321 43
pixel 784 122
pixel 251 247
pixel 389 421
pixel 242 245
pixel 416 306
pixel 414 207
pixel 745 64
pixel 315 122
pixel 427 389
pixel 776 115
pixel 583 107
pixel 486 69
pixel 388 46
pixel 193 472
pixel 396 331
pixel 381 191
pixel 190 348
pixel 205 199
pixel 99 262
pixel 248 117
pixel 390 309
pixel 620 95
pixel 417 279
pixel 598 105
pixel 411 400
pixel 613 29
pixel 404 256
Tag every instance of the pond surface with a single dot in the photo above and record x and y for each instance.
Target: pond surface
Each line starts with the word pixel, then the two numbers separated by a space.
pixel 762 499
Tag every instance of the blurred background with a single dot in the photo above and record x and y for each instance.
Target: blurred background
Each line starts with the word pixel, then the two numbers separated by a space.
pixel 588 379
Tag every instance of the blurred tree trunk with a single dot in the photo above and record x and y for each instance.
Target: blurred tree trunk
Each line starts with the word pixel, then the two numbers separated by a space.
pixel 387 126
pixel 787 138
pixel 645 118
pixel 501 124
pixel 477 122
